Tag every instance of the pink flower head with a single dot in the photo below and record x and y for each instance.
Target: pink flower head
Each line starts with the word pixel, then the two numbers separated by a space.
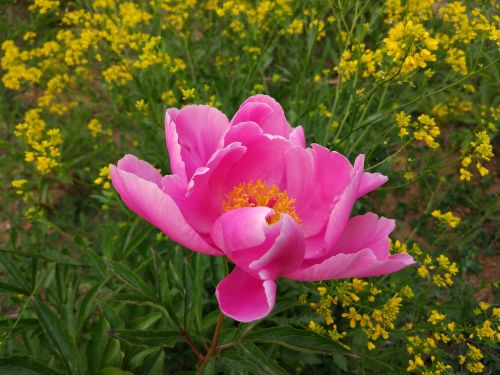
pixel 249 189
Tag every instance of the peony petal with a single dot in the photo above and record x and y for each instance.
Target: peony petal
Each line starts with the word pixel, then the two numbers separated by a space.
pixel 274 123
pixel 200 130
pixel 252 112
pixel 370 182
pixel 201 201
pixel 141 168
pixel 364 263
pixel 263 250
pixel 343 207
pixel 315 177
pixel 297 136
pixel 264 160
pixel 285 254
pixel 177 165
pixel 245 298
pixel 244 132
pixel 241 229
pixel 366 231
pixel 146 199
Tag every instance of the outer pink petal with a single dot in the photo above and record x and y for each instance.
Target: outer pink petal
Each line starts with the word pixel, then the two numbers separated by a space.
pixel 262 250
pixel 274 123
pixel 315 177
pixel 366 231
pixel 146 199
pixel 141 168
pixel 297 136
pixel 200 131
pixel 245 298
pixel 370 182
pixel 342 209
pixel 361 264
pixel 173 146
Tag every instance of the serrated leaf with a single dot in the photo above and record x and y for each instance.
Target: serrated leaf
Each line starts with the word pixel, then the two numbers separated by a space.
pixel 131 279
pixel 250 352
pixel 296 339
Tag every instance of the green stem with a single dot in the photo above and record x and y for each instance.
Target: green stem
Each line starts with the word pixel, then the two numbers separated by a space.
pixel 213 345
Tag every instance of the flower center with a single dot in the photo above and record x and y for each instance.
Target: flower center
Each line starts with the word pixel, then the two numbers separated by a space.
pixel 258 193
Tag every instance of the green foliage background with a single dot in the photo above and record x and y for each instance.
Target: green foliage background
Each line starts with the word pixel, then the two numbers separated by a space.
pixel 87 287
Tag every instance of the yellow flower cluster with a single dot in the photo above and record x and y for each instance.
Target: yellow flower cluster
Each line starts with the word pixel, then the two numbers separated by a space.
pixel 17 72
pixel 425 128
pixel 104 178
pixel 454 106
pixel 410 46
pixel 51 98
pixel 359 57
pixel 440 269
pixel 43 6
pixel 448 218
pixel 395 10
pixel 43 144
pixel 358 299
pixel 18 184
pixel 481 149
pixel 95 128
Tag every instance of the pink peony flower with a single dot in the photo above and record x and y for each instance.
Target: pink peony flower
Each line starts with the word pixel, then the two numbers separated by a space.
pixel 249 189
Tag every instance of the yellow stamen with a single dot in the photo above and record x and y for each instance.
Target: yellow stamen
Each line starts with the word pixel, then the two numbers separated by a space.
pixel 258 193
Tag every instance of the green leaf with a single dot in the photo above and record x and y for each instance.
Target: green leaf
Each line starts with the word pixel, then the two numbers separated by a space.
pixel 296 339
pixel 62 341
pixel 131 279
pixel 147 338
pixel 97 346
pixel 23 366
pixel 340 361
pixel 7 288
pixel 88 304
pixel 17 326
pixel 250 352
pixel 114 371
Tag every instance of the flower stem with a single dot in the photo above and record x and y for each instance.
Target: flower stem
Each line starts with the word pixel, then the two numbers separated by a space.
pixel 191 344
pixel 213 345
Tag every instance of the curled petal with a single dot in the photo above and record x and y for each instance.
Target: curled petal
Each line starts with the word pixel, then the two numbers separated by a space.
pixel 244 297
pixel 146 199
pixel 266 112
pixel 370 182
pixel 297 136
pixel 141 168
pixel 193 137
pixel 366 231
pixel 342 209
pixel 363 263
pixel 263 250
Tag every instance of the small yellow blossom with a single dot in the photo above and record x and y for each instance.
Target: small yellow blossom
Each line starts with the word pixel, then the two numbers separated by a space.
pixel 435 317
